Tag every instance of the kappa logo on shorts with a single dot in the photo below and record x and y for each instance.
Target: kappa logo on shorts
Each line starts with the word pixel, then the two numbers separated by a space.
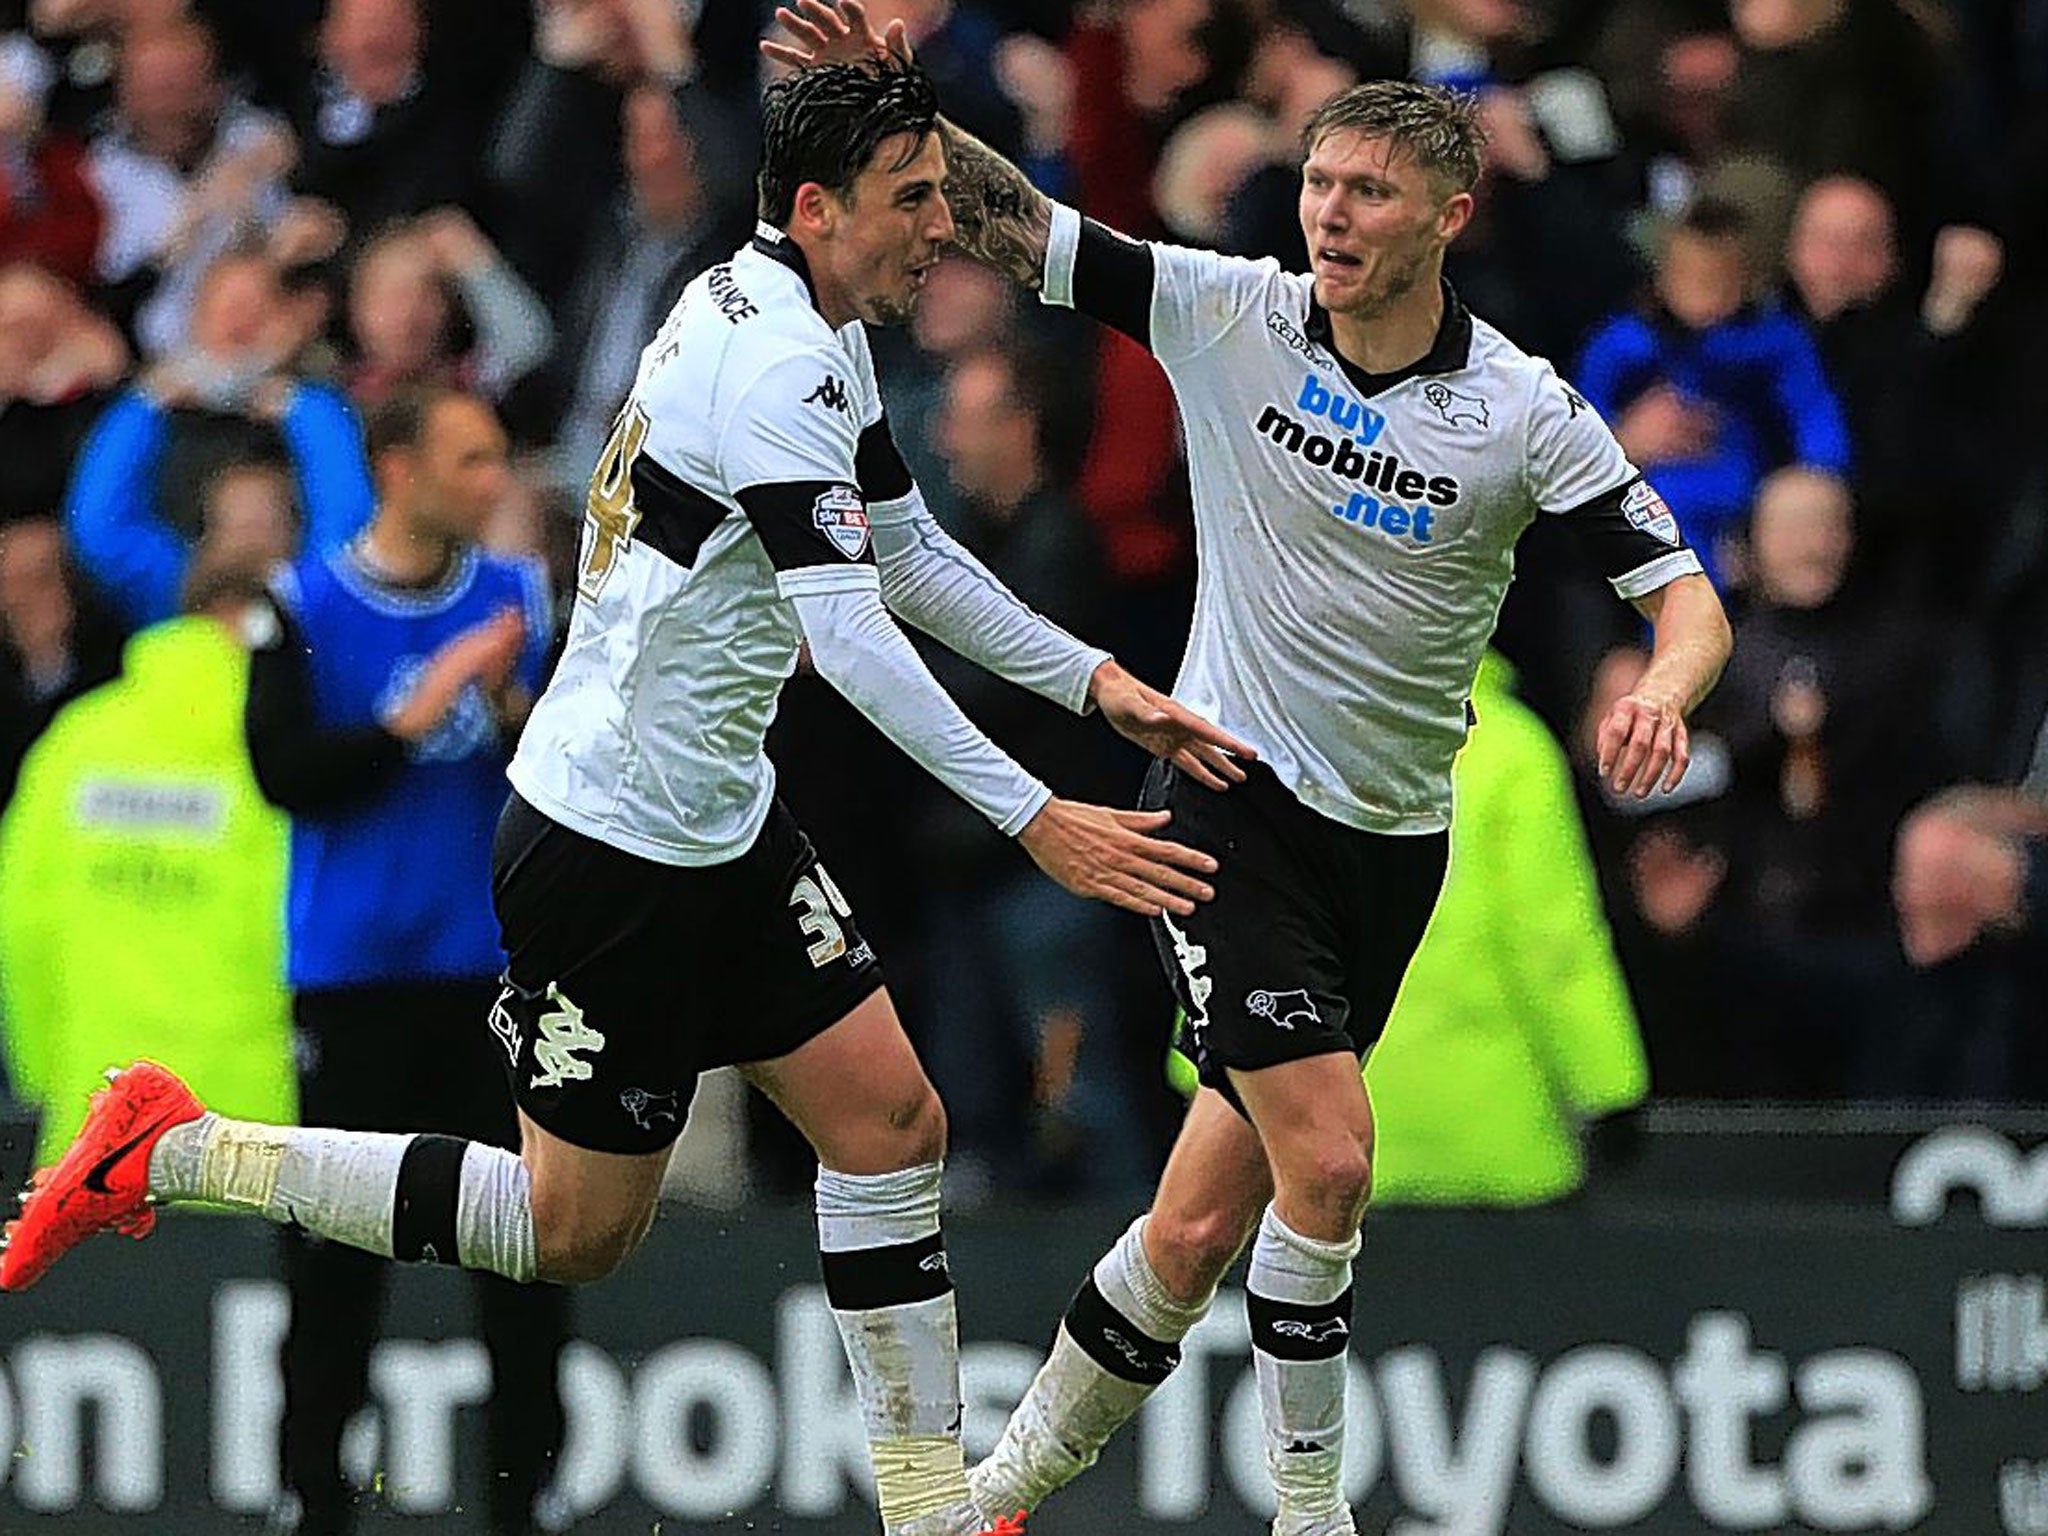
pixel 646 1108
pixel 503 1025
pixel 1192 958
pixel 562 1034
pixel 1284 1010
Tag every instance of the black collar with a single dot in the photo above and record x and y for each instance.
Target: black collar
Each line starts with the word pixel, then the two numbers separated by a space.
pixel 776 246
pixel 1447 353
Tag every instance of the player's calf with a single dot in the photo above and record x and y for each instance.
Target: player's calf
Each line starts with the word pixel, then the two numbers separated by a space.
pixel 1118 1342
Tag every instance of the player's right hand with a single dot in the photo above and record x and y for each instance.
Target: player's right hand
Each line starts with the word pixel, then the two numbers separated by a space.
pixel 1110 855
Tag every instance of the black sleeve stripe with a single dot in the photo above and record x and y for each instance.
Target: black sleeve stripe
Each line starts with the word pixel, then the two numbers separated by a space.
pixel 675 517
pixel 805 523
pixel 1113 281
pixel 1618 545
pixel 878 466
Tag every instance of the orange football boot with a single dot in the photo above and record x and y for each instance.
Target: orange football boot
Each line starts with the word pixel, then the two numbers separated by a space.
pixel 102 1181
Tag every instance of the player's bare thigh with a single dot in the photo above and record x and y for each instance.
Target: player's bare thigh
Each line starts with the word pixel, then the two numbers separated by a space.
pixel 590 1209
pixel 1223 1168
pixel 858 1093
pixel 1315 1120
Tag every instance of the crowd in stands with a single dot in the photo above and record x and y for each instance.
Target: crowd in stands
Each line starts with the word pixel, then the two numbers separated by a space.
pixel 1794 251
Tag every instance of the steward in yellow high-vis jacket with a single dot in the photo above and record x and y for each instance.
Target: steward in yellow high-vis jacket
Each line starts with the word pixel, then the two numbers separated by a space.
pixel 1514 1027
pixel 142 881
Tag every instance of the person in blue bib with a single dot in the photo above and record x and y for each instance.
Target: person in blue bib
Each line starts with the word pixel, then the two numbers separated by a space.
pixel 382 710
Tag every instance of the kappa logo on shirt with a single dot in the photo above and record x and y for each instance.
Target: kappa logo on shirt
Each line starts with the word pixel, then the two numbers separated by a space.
pixel 1646 510
pixel 842 517
pixel 1289 333
pixel 832 395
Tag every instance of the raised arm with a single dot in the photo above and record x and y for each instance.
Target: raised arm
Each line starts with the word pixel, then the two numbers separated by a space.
pixel 999 218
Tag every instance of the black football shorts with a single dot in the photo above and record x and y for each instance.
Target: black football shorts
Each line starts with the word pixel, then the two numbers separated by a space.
pixel 627 978
pixel 1303 948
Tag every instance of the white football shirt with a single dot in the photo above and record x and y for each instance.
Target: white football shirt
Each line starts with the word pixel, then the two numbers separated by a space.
pixel 727 519
pixel 1355 534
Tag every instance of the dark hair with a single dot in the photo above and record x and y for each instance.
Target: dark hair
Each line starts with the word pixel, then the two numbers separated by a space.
pixel 824 125
pixel 1437 125
pixel 1714 218
pixel 401 421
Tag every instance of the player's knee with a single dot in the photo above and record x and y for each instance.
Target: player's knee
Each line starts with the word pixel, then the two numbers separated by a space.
pixel 572 1248
pixel 1333 1176
pixel 917 1128
pixel 1195 1246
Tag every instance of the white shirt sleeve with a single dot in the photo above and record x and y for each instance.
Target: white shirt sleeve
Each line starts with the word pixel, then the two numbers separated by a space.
pixel 930 579
pixel 1577 470
pixel 786 454
pixel 1199 296
pixel 1573 456
pixel 1175 299
pixel 858 649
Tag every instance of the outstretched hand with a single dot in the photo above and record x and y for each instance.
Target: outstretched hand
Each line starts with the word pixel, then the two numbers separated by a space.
pixel 839 33
pixel 1168 729
pixel 1115 856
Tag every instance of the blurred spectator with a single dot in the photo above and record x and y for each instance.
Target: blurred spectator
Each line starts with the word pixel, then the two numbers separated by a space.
pixel 1856 86
pixel 1288 78
pixel 1660 866
pixel 1131 65
pixel 405 293
pixel 142 880
pixel 49 212
pixel 1513 1032
pixel 380 135
pixel 555 161
pixel 1972 863
pixel 662 231
pixel 1673 91
pixel 1205 165
pixel 1970 883
pixel 380 715
pixel 1546 252
pixel 1912 377
pixel 965 309
pixel 54 644
pixel 251 519
pixel 1712 388
pixel 1021 975
pixel 1836 719
pixel 186 170
pixel 57 359
pixel 133 516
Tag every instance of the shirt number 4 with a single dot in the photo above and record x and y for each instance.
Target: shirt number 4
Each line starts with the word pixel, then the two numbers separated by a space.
pixel 610 510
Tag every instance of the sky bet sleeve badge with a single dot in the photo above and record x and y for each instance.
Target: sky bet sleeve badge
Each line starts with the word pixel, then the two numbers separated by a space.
pixel 842 517
pixel 1646 510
